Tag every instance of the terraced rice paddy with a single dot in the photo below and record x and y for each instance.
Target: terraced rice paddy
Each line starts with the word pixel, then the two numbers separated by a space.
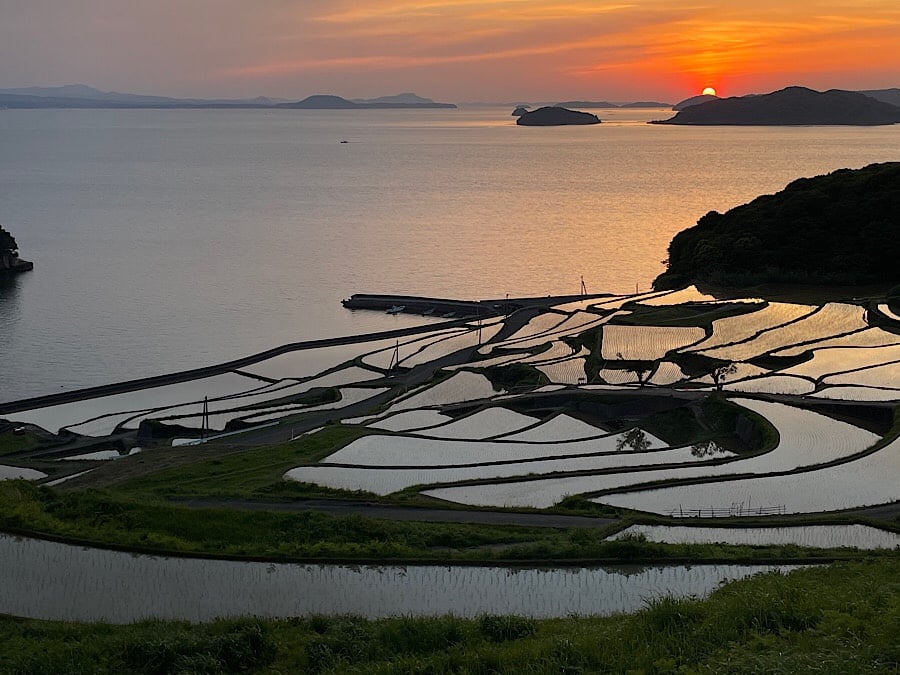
pixel 888 312
pixel 461 386
pixel 828 321
pixel 303 363
pixel 667 373
pixel 745 326
pixel 378 458
pixel 349 396
pixel 241 406
pixel 386 358
pixel 410 420
pixel 806 439
pixel 378 450
pixel 15 472
pixel 510 458
pixel 569 371
pixel 772 384
pixel 858 394
pixel 442 348
pixel 646 343
pixel 481 425
pixel 76 583
pixel 53 418
pixel 689 294
pixel 810 536
pixel 538 326
pixel 560 428
pixel 869 337
pixel 842 359
pixel 867 481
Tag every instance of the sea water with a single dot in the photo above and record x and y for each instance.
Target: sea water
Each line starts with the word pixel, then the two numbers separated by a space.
pixel 171 239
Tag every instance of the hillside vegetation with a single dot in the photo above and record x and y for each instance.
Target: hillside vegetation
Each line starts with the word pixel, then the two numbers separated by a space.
pixel 841 228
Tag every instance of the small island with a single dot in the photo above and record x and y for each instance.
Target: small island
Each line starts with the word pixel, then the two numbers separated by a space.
pixel 793 106
pixel 398 102
pixel 10 263
pixel 552 116
pixel 840 228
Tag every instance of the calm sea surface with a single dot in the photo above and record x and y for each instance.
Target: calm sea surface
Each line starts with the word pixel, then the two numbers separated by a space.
pixel 166 240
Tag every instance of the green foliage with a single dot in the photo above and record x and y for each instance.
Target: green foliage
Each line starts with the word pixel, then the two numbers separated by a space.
pixel 840 228
pixel 635 440
pixel 11 442
pixel 505 628
pixel 7 242
pixel 516 375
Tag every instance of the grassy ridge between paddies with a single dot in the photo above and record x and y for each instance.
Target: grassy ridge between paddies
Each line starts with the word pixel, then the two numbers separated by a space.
pixel 146 524
pixel 136 513
pixel 842 618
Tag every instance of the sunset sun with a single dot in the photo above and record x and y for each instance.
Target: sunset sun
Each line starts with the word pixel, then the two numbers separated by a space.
pixel 709 91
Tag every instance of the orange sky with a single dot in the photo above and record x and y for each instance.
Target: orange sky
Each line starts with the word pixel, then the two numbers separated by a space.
pixel 457 50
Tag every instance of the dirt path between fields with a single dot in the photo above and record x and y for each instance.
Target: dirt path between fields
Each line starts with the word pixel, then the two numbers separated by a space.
pixel 412 513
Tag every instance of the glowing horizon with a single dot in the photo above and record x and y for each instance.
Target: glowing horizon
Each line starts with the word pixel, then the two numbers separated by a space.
pixel 456 50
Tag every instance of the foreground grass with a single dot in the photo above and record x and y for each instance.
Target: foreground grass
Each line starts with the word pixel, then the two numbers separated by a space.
pixel 152 525
pixel 843 618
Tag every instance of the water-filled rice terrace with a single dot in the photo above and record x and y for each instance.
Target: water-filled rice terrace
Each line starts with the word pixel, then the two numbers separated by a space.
pixel 671 403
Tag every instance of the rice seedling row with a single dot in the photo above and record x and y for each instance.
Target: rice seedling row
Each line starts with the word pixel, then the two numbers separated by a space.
pixel 646 343
pixel 868 337
pixel 830 320
pixel 735 329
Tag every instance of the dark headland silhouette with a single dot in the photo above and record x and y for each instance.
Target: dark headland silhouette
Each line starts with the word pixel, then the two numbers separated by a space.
pixel 694 100
pixel 840 228
pixel 520 110
pixel 552 116
pixel 10 262
pixel 789 107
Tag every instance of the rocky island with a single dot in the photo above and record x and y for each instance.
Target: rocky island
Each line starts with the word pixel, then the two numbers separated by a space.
pixel 840 228
pixel 10 263
pixel 792 106
pixel 551 116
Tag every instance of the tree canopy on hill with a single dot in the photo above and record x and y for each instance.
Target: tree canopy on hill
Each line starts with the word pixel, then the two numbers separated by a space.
pixel 841 228
pixel 7 242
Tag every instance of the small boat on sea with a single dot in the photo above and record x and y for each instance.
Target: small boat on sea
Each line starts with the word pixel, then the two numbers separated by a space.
pixel 396 309
pixel 428 312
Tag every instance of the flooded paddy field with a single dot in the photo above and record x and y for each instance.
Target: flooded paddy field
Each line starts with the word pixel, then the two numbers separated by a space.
pixel 609 398
pixel 49 580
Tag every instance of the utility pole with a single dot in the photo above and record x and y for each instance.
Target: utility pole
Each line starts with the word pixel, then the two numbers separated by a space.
pixel 204 420
pixel 395 357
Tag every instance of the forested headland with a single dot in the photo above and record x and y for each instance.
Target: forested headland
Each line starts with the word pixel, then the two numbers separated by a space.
pixel 840 228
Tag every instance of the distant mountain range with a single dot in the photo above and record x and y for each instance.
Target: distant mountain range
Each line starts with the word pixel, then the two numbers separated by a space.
pixel 791 106
pixel 83 96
